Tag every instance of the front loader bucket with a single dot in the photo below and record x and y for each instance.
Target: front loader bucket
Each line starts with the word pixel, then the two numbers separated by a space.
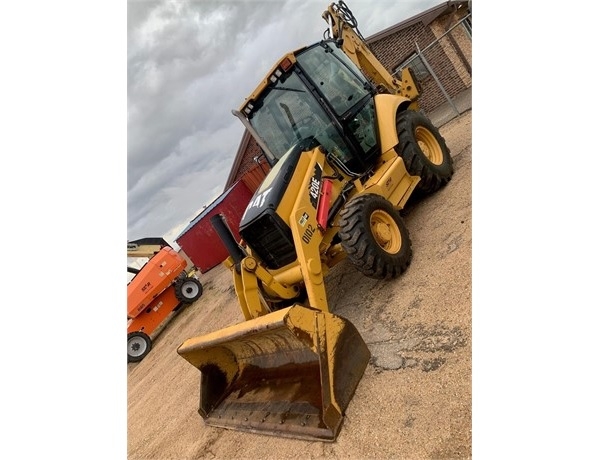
pixel 290 373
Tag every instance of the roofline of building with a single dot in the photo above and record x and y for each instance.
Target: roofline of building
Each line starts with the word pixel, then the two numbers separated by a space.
pixel 426 17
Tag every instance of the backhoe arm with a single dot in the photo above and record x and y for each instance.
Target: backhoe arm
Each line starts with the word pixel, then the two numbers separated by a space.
pixel 343 28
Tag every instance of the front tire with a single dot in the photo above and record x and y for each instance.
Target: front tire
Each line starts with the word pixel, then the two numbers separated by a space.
pixel 188 290
pixel 374 237
pixel 424 151
pixel 138 346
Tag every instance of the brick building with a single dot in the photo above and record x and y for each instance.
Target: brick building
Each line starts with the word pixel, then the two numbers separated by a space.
pixel 436 44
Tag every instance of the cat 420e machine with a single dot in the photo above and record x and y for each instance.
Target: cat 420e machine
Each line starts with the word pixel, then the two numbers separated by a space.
pixel 348 147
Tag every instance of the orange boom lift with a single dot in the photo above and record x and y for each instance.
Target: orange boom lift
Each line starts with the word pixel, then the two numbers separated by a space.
pixel 160 287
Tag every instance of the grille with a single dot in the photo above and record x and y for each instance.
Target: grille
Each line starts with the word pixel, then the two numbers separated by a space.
pixel 271 240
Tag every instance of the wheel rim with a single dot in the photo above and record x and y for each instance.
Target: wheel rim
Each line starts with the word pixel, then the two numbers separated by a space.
pixel 136 346
pixel 429 145
pixel 189 289
pixel 386 232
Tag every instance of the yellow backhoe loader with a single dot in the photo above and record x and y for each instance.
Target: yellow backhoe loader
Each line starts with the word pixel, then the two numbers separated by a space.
pixel 348 147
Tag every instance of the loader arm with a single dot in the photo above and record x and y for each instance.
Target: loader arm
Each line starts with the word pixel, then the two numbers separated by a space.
pixel 307 235
pixel 252 282
pixel 251 277
pixel 343 28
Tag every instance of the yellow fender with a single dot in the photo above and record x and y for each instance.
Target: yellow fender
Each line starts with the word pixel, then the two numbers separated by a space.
pixel 386 107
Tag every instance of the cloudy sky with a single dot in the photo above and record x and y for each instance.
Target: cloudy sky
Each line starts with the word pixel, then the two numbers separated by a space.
pixel 189 63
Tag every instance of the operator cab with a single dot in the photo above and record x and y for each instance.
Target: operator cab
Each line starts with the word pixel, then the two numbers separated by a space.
pixel 322 95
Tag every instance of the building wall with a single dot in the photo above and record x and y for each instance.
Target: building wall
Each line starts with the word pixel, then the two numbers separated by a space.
pixel 395 48
pixel 248 169
pixel 458 47
pixel 201 243
pixel 248 162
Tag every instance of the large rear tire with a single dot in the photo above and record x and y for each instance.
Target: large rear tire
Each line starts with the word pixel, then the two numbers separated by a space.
pixel 374 237
pixel 424 151
pixel 138 346
pixel 188 289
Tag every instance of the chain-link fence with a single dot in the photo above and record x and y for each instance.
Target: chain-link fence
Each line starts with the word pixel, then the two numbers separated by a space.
pixel 444 71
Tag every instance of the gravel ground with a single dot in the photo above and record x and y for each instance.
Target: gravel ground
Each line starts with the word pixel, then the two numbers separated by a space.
pixel 414 401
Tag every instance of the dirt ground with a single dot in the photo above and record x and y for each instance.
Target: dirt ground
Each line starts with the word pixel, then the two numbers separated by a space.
pixel 414 400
